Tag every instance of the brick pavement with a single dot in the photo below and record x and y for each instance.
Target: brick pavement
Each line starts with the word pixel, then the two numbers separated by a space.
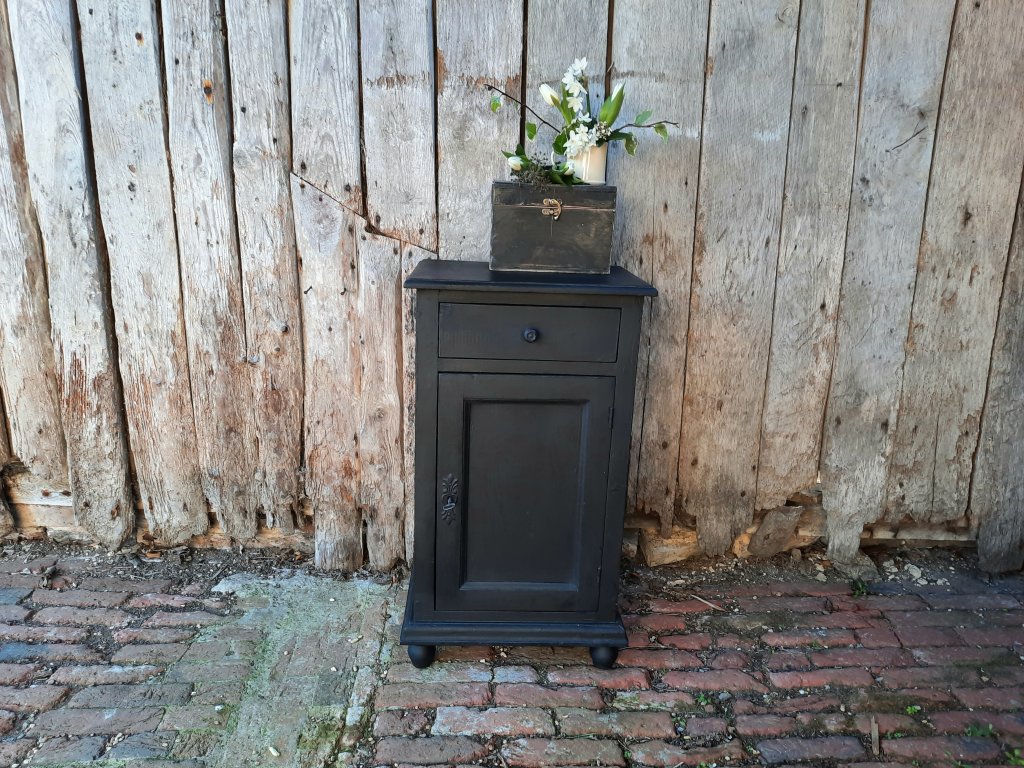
pixel 160 672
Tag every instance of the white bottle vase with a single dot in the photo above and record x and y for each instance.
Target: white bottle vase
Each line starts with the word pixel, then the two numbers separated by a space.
pixel 591 166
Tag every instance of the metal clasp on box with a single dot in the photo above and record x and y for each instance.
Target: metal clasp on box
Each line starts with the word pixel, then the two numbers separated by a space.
pixel 552 208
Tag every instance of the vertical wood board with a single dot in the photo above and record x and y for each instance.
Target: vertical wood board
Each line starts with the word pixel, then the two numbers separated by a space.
pixel 906 50
pixel 323 43
pixel 122 73
pixel 979 152
pixel 45 47
pixel 654 221
pixel 396 50
pixel 27 377
pixel 199 141
pixel 739 203
pixel 823 131
pixel 261 154
pixel 997 492
pixel 473 49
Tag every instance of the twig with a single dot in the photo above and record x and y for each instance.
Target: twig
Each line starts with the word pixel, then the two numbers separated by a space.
pixel 708 603
pixel 521 104
pixel 874 737
pixel 647 125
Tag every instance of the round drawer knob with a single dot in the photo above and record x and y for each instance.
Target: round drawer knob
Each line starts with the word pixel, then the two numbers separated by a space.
pixel 530 335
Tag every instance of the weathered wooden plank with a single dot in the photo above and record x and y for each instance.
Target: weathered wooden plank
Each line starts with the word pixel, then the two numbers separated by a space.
pixel 27 377
pixel 122 73
pixel 906 50
pixel 557 33
pixel 473 49
pixel 823 133
pixel 743 163
pixel 326 242
pixel 258 55
pixel 979 150
pixel 324 49
pixel 378 395
pixel 411 256
pixel 45 49
pixel 654 223
pixel 396 50
pixel 997 492
pixel 199 143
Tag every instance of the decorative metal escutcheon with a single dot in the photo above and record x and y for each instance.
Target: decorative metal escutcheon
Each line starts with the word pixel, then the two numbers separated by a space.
pixel 449 497
pixel 552 208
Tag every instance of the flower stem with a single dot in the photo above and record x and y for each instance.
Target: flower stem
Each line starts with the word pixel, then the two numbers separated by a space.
pixel 490 87
pixel 647 125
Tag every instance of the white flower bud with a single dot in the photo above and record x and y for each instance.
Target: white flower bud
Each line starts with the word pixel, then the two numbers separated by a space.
pixel 549 94
pixel 515 163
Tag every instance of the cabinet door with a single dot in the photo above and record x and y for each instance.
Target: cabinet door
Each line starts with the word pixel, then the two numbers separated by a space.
pixel 522 480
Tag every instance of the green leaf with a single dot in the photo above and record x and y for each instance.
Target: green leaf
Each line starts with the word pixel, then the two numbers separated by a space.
pixel 612 105
pixel 630 142
pixel 559 143
pixel 643 117
pixel 495 103
pixel 508 154
pixel 520 151
pixel 531 131
pixel 618 135
pixel 662 130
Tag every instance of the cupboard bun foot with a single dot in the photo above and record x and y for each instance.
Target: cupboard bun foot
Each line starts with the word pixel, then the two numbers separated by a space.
pixel 604 656
pixel 422 656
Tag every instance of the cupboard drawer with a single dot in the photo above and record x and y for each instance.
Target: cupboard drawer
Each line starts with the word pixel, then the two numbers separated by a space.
pixel 528 332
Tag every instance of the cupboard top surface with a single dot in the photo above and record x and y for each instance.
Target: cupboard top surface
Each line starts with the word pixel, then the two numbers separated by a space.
pixel 436 274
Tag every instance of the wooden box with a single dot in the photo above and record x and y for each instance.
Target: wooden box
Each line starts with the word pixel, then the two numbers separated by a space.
pixel 553 229
pixel 524 407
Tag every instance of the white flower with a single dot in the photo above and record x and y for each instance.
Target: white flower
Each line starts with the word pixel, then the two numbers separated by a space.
pixel 549 94
pixel 578 66
pixel 580 140
pixel 572 85
pixel 575 103
pixel 584 118
pixel 515 163
pixel 570 166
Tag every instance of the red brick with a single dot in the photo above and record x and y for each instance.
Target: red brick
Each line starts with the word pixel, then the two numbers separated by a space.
pixel 27 634
pixel 430 695
pixel 125 585
pixel 670 700
pixel 957 722
pixel 194 717
pixel 883 603
pixel 911 677
pixel 638 638
pixel 986 600
pixel 991 698
pixel 13 751
pixel 18 581
pixel 48 652
pixel 825 722
pixel 443 750
pixel 465 653
pixel 730 660
pixel 678 606
pixel 10 614
pixel 705 726
pixel 515 674
pixel 846 677
pixel 782 661
pixel 877 637
pixel 734 642
pixel 79 598
pixel 159 600
pixel 716 680
pixel 694 641
pixel 530 695
pixel 658 753
pixel 221 671
pixel 84 722
pixel 493 721
pixel 941 748
pixel 887 722
pixel 7 721
pixel 838 620
pixel 935 619
pixel 870 700
pixel 396 722
pixel 18 674
pixel 659 659
pixel 103 674
pixel 36 698
pixel 126 636
pixel 806 704
pixel 631 725
pixel 535 753
pixel 451 672
pixel 963 655
pixel 157 653
pixel 927 636
pixel 183 619
pixel 656 622
pixel 991 636
pixel 862 657
pixel 612 679
pixel 793 749
pixel 794 604
pixel 826 638
pixel 103 617
pixel 764 725
pixel 124 695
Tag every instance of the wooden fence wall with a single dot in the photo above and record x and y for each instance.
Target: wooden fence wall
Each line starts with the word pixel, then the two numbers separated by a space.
pixel 207 208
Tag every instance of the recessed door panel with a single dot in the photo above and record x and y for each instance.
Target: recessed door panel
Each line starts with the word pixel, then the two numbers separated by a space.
pixel 522 479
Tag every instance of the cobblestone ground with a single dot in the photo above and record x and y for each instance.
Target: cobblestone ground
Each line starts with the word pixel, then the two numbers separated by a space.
pixel 306 671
